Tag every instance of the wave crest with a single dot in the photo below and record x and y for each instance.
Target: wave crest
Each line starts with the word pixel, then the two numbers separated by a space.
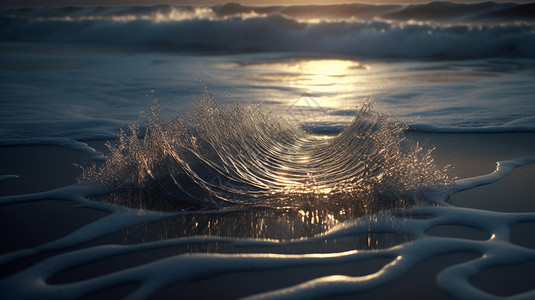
pixel 435 30
pixel 238 154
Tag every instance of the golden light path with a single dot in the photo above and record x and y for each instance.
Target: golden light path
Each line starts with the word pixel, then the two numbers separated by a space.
pixel 321 84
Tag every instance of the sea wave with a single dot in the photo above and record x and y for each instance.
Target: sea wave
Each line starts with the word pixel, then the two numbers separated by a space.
pixel 435 30
pixel 440 12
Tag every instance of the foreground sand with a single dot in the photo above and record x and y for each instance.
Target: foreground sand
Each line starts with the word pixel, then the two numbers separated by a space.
pixel 41 168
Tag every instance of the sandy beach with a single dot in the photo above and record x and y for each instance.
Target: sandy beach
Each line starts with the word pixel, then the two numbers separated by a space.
pixel 42 168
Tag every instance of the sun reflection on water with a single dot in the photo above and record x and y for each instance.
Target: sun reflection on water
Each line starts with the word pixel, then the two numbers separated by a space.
pixel 332 83
pixel 267 224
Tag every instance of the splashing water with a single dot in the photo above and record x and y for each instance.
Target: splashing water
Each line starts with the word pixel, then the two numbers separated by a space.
pixel 238 154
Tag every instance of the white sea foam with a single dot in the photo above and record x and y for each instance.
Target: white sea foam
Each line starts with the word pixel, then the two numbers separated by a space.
pixel 31 282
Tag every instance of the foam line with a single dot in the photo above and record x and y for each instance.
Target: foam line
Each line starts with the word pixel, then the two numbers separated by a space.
pixel 503 168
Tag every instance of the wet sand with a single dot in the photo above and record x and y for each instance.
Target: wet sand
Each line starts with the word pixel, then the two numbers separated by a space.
pixel 42 168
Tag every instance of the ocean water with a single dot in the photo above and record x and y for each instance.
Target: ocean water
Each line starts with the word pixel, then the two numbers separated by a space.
pixel 256 138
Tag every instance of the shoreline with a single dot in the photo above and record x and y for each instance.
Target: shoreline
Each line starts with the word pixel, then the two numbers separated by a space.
pixel 41 168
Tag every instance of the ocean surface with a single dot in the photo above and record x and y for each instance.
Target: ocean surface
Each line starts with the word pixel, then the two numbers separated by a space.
pixel 85 72
pixel 235 129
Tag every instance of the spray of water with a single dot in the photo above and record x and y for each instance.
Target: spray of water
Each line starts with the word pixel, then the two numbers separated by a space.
pixel 238 154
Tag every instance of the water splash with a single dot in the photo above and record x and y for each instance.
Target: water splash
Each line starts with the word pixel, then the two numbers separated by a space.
pixel 238 154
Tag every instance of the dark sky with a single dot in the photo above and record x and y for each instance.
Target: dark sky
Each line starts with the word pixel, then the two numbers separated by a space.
pixel 26 3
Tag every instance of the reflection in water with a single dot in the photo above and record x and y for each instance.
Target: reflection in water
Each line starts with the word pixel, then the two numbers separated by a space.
pixel 321 84
pixel 273 224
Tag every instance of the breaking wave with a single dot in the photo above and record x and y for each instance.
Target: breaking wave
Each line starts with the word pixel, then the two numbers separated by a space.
pixel 444 12
pixel 435 30
pixel 238 154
